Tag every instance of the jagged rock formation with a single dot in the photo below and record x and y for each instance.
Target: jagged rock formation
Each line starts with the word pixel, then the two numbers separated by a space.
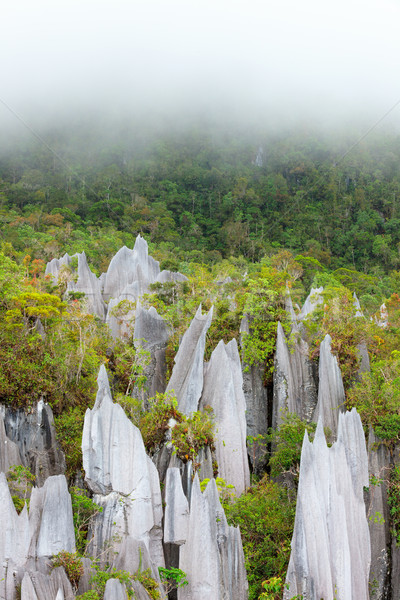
pixel 124 478
pixel 152 334
pixel 212 556
pixel 176 514
pixel 40 586
pixel 35 436
pixel 87 283
pixel 331 546
pixel 9 451
pixel 313 300
pixel 223 392
pixel 128 267
pixel 294 385
pixel 378 517
pixel 53 267
pixel 331 395
pixel 29 538
pixel 128 277
pixel 187 375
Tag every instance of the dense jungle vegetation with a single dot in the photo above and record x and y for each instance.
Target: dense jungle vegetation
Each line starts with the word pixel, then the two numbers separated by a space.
pixel 244 217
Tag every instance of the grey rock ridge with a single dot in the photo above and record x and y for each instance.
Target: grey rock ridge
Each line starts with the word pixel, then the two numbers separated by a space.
pixel 124 478
pixel 128 277
pixel 223 392
pixel 187 375
pixel 34 435
pixel 176 514
pixel 313 300
pixel 379 518
pixel 212 556
pixel 87 283
pixel 331 552
pixel 294 385
pixel 53 267
pixel 331 395
pixel 151 333
pixel 130 266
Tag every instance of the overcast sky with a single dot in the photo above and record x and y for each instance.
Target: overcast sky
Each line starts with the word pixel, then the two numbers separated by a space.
pixel 280 57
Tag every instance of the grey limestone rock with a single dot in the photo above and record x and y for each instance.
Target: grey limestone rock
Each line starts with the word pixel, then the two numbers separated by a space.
pixel 313 300
pixel 331 545
pixel 115 590
pixel 357 306
pixel 38 586
pixel 129 266
pixel 9 451
pixel 35 435
pixel 15 529
pixel 53 267
pixel 171 276
pixel 378 517
pixel 331 395
pixel 212 556
pixel 294 385
pixel 152 334
pixel 176 514
pixel 88 284
pixel 187 375
pixel 120 472
pixel 223 391
pixel 50 518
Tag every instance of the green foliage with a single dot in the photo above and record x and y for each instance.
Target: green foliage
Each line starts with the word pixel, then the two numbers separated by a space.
pixel 154 423
pixel 100 578
pixel 83 510
pixel 287 442
pixel 263 304
pixel 377 399
pixel 69 427
pixel 172 578
pixel 20 482
pixel 72 564
pixel 188 434
pixel 265 514
pixel 193 433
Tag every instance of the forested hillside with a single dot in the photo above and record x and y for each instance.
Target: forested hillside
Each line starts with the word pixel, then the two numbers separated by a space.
pixel 252 221
pixel 206 193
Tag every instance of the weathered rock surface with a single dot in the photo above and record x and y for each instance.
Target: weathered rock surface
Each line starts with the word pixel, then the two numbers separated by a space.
pixel 171 276
pixel 223 392
pixel 152 334
pixel 9 451
pixel 187 375
pixel 50 518
pixel 120 472
pixel 88 284
pixel 115 590
pixel 294 385
pixel 176 514
pixel 331 545
pixel 378 517
pixel 313 300
pixel 331 395
pixel 15 529
pixel 53 267
pixel 212 557
pixel 34 434
pixel 128 267
pixel 38 586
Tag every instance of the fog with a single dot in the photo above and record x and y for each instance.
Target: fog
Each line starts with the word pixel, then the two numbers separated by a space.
pixel 277 60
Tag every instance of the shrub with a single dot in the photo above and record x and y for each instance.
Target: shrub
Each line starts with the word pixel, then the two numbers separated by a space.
pixel 72 564
pixel 265 515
